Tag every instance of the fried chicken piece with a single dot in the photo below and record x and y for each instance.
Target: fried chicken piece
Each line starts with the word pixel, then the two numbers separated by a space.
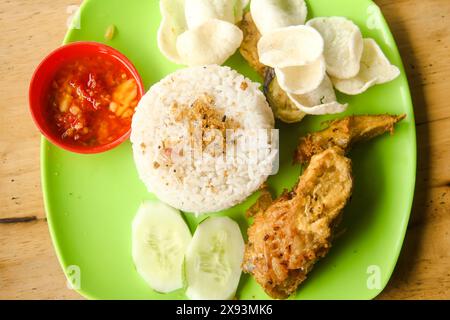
pixel 296 230
pixel 283 108
pixel 264 201
pixel 250 44
pixel 344 134
pixel 290 234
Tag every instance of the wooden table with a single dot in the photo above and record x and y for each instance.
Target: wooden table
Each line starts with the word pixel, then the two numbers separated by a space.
pixel 28 265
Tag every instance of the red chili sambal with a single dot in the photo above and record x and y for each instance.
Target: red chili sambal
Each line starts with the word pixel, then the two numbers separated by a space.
pixel 92 100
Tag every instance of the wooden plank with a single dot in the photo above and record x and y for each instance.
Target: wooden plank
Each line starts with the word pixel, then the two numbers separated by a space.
pixel 433 154
pixel 423 270
pixel 421 31
pixel 28 265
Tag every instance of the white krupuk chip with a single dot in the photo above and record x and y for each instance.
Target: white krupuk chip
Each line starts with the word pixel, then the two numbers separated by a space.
pixel 200 11
pixel 302 79
pixel 320 101
pixel 173 24
pixel 290 47
pixel 343 45
pixel 375 69
pixel 211 43
pixel 273 14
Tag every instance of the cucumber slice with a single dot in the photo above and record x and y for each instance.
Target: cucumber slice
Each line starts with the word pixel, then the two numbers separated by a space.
pixel 159 243
pixel 213 260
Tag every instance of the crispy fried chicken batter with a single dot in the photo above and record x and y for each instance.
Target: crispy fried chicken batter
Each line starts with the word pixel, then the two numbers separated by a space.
pixel 250 44
pixel 344 134
pixel 287 238
pixel 292 233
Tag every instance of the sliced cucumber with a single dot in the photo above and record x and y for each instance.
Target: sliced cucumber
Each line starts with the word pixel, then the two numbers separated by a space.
pixel 213 260
pixel 160 240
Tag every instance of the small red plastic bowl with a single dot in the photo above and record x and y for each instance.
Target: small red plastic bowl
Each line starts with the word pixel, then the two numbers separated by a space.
pixel 45 73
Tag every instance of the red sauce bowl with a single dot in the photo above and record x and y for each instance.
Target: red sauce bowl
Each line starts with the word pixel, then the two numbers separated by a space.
pixel 41 84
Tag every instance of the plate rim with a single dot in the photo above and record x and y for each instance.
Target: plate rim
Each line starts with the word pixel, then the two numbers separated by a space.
pixel 44 143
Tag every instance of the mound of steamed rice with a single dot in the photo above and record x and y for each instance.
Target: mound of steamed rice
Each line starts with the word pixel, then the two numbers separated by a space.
pixel 209 184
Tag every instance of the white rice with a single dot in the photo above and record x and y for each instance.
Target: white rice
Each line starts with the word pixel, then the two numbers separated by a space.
pixel 209 184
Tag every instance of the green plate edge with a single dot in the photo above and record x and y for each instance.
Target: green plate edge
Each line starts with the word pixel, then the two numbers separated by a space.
pixel 45 148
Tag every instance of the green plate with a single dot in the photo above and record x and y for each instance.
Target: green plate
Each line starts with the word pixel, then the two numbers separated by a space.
pixel 91 200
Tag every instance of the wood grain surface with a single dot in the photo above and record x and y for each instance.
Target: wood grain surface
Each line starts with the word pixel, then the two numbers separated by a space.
pixel 28 266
